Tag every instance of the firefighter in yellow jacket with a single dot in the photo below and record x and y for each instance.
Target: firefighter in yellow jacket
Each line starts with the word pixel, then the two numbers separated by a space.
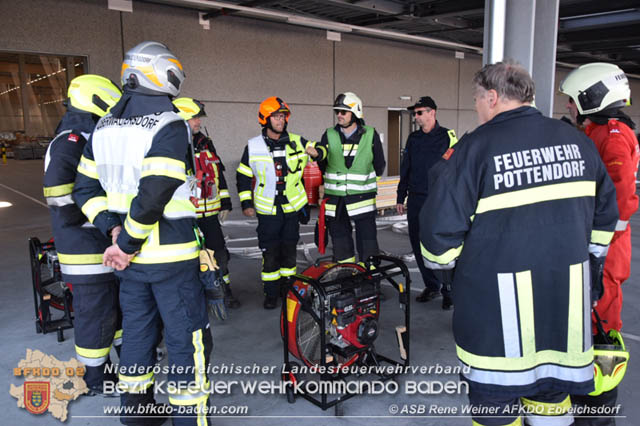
pixel 276 160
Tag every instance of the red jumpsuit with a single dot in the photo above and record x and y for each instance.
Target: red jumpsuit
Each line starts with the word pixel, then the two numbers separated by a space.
pixel 618 148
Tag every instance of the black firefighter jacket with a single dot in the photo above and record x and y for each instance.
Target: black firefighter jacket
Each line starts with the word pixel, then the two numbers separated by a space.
pixel 523 200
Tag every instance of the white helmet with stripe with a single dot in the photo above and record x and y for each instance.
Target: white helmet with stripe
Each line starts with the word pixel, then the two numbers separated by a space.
pixel 152 69
pixel 349 101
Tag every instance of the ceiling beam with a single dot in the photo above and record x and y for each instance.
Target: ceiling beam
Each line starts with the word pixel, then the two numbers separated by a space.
pixel 224 12
pixel 383 7
pixel 600 20
pixel 591 7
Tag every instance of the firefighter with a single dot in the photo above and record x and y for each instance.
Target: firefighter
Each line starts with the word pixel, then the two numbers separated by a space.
pixel 355 160
pixel 97 318
pixel 275 159
pixel 423 149
pixel 132 185
pixel 212 209
pixel 526 214
pixel 597 93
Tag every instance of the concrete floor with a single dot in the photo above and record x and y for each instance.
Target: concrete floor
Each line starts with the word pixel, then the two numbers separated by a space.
pixel 251 334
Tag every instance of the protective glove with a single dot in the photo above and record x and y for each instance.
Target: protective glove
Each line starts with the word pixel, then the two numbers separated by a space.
pixel 304 215
pixel 596 265
pixel 192 183
pixel 213 284
pixel 222 216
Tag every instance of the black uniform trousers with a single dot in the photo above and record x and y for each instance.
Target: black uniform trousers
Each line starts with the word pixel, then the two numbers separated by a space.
pixel 214 240
pixel 177 298
pixel 277 238
pixel 340 229
pixel 414 205
pixel 97 319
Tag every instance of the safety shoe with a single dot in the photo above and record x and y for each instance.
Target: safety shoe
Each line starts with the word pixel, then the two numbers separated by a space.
pixel 151 415
pixel 427 294
pixel 229 299
pixel 270 302
pixel 99 391
pixel 447 302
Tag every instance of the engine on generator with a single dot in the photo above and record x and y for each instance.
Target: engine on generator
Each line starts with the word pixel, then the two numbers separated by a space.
pixel 349 310
pixel 353 317
pixel 330 321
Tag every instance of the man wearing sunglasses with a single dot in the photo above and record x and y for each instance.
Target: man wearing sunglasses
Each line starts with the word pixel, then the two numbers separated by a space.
pixel 423 149
pixel 355 159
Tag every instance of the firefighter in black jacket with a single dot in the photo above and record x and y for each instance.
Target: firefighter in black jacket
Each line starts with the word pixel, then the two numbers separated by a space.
pixel 132 184
pixel 424 148
pixel 526 214
pixel 276 159
pixel 213 202
pixel 355 161
pixel 97 321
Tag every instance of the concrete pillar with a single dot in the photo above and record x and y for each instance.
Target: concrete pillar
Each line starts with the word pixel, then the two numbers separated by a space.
pixel 526 31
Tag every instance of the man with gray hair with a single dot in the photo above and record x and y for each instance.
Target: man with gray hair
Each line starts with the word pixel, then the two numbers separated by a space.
pixel 527 212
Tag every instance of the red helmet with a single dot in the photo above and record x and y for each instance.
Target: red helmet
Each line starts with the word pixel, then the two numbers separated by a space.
pixel 271 105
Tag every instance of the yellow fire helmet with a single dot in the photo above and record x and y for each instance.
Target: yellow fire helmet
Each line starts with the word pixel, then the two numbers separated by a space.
pixel 610 363
pixel 189 108
pixel 93 93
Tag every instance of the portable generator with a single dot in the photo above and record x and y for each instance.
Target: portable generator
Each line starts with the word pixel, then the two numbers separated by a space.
pixel 331 318
pixel 50 292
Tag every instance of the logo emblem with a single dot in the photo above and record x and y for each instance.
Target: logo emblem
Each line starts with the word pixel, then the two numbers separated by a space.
pixel 73 138
pixel 36 397
pixel 448 154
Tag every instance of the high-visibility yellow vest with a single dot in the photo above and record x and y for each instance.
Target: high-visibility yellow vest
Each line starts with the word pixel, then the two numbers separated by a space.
pixel 262 165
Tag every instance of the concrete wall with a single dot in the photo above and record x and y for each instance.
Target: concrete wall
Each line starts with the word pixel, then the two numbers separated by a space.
pixel 238 62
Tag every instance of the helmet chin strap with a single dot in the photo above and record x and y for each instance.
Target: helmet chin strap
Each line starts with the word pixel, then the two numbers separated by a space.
pixel 270 127
pixel 353 119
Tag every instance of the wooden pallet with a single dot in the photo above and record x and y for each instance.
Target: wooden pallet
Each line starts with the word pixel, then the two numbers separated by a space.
pixel 387 192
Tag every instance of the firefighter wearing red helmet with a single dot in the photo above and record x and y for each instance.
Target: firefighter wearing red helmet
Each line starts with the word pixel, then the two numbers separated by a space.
pixel 597 93
pixel 275 159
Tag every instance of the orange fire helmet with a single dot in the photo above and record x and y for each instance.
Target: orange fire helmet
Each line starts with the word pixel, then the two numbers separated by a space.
pixel 271 105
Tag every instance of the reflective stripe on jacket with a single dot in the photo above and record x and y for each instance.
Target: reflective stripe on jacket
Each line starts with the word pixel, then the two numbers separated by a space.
pixel 360 177
pixel 521 202
pixel 263 169
pixel 170 238
pixel 78 243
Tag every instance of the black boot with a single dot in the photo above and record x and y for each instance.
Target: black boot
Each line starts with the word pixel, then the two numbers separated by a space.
pixel 270 302
pixel 447 300
pixel 146 411
pixel 427 294
pixel 229 299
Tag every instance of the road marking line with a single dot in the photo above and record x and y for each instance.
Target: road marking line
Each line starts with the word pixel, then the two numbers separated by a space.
pixel 24 195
